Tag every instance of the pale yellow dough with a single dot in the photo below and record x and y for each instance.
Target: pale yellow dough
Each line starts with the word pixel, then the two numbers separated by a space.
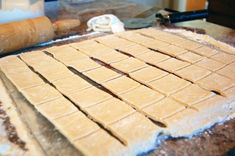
pixel 152 57
pixel 155 44
pixel 231 66
pixel 206 51
pixel 169 84
pixel 110 111
pixel 66 54
pixel 135 129
pixel 89 97
pixel 172 64
pixel 51 69
pixel 227 73
pixel 210 64
pixel 71 84
pixel 190 57
pixel 161 35
pixel 190 45
pixel 216 82
pixel 111 57
pixel 40 94
pixel 99 143
pixel 12 64
pixel 141 97
pixel 56 108
pixel 134 50
pixel 19 74
pixel 129 65
pixel 162 109
pixel 172 50
pixel 84 65
pixel 192 94
pixel 114 41
pixel 193 73
pixel 102 74
pixel 148 74
pixel 76 125
pixel 92 48
pixel 224 58
pixel 121 85
pixel 24 80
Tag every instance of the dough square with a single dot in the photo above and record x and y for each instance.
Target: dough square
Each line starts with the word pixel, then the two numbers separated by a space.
pixel 172 50
pixel 230 92
pixel 101 74
pixel 71 84
pixel 192 94
pixel 210 64
pixel 56 108
pixel 135 129
pixel 121 85
pixel 206 51
pixel 231 66
pixel 212 105
pixel 103 53
pixel 99 143
pixel 52 70
pixel 162 109
pixel 152 57
pixel 54 74
pixel 225 71
pixel 126 34
pixel 91 48
pixel 12 64
pixel 134 50
pixel 172 64
pixel 135 37
pixel 85 44
pixel 36 57
pixel 89 97
pixel 192 73
pixel 216 82
pixel 190 45
pixel 161 35
pixel 148 74
pixel 141 97
pixel 224 57
pixel 14 68
pixel 169 84
pixel 114 41
pixel 66 54
pixel 190 57
pixel 40 94
pixel 84 65
pixel 155 44
pixel 183 122
pixel 23 80
pixel 112 57
pixel 76 125
pixel 110 111
pixel 129 65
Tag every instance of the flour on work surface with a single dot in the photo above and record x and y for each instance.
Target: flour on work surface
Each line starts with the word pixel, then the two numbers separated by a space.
pixel 161 85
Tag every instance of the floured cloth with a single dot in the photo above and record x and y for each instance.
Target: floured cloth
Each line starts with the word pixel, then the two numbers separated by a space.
pixel 157 84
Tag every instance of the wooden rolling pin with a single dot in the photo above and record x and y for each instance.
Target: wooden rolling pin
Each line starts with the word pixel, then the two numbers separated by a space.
pixel 22 34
